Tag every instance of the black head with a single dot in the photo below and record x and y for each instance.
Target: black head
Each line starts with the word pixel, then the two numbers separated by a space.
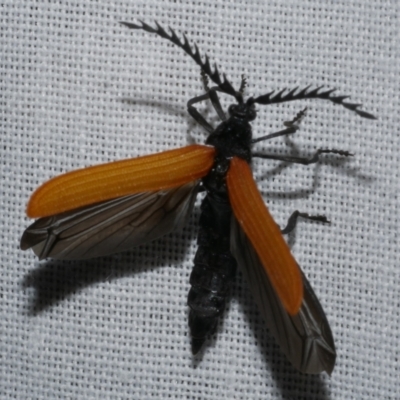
pixel 241 110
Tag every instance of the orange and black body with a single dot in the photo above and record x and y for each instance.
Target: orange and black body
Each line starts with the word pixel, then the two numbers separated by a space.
pixel 113 207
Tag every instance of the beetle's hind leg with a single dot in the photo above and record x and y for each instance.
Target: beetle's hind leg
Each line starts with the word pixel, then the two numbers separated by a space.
pixel 292 221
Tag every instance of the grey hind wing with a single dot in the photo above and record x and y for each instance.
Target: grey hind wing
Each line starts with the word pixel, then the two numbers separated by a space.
pixel 111 226
pixel 305 338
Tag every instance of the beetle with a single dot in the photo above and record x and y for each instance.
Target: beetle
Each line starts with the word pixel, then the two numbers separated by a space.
pixel 112 207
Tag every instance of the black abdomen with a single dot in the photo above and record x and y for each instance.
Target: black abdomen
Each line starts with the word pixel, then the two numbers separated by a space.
pixel 214 269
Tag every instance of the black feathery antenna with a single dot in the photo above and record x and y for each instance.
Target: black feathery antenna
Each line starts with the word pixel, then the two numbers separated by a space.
pixel 279 97
pixel 224 84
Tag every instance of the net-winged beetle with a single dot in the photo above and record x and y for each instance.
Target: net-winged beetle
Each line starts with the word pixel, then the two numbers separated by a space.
pixel 111 207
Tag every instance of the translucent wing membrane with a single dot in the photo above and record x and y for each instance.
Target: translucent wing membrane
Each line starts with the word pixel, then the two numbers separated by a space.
pixel 103 182
pixel 264 234
pixel 213 73
pixel 305 338
pixel 111 226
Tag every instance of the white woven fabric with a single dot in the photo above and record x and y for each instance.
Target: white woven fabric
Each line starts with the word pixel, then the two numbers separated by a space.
pixel 80 89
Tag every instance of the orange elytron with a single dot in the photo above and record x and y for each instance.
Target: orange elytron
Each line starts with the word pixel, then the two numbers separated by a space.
pixel 264 234
pixel 107 181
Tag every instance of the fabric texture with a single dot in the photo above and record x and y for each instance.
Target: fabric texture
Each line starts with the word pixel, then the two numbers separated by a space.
pixel 78 89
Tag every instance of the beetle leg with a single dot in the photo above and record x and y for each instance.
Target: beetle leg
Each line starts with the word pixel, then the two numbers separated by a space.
pixel 216 103
pixel 291 127
pixel 243 85
pixel 302 160
pixel 196 115
pixel 211 94
pixel 292 221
